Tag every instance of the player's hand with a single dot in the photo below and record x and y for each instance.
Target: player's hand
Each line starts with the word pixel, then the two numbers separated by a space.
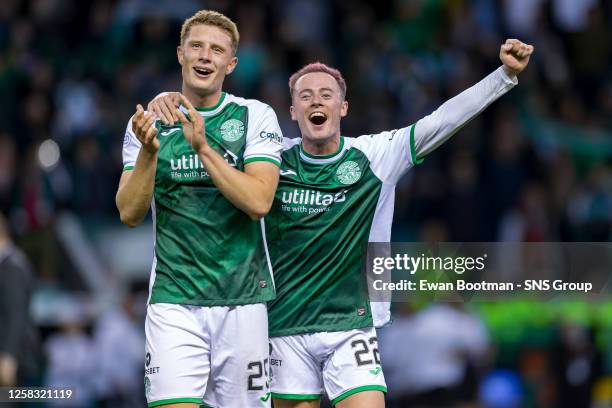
pixel 144 129
pixel 515 56
pixel 164 106
pixel 193 128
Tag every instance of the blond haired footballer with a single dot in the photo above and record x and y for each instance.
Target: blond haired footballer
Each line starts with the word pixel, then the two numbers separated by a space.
pixel 209 176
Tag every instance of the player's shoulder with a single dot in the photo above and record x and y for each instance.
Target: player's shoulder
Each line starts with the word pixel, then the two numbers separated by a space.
pixel 291 152
pixel 253 105
pixel 290 143
pixel 359 142
pixel 377 138
pixel 374 142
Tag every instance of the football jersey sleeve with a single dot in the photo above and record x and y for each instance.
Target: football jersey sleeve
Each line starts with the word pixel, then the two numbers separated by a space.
pixel 388 153
pixel 131 147
pixel 393 152
pixel 434 129
pixel 264 140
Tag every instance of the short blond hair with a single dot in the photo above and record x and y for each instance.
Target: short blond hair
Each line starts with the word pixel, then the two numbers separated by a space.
pixel 212 18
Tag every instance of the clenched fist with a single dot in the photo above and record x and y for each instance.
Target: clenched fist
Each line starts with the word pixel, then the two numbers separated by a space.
pixel 515 54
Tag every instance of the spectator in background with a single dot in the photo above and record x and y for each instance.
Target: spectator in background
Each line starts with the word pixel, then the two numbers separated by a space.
pixel 590 208
pixel 436 354
pixel 18 342
pixel 579 364
pixel 120 344
pixel 72 358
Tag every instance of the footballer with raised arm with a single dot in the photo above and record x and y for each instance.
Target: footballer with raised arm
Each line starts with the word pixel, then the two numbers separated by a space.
pixel 209 176
pixel 335 195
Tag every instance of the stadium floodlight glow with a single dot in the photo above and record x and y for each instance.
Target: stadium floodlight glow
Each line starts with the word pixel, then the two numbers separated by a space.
pixel 48 155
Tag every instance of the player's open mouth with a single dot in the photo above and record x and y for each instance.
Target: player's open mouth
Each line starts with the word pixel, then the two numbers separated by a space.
pixel 202 72
pixel 317 118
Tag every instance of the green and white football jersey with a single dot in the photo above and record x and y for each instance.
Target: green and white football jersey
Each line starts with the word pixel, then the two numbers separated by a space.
pixel 325 211
pixel 208 252
pixel 327 208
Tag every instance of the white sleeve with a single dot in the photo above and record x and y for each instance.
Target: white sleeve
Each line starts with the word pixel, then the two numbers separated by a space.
pixel 388 153
pixel 433 130
pixel 264 140
pixel 131 147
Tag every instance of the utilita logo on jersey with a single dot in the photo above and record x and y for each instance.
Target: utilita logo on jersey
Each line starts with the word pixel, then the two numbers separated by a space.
pixel 189 166
pixel 310 201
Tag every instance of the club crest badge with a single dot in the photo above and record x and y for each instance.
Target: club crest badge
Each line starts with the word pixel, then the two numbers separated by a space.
pixel 348 172
pixel 232 130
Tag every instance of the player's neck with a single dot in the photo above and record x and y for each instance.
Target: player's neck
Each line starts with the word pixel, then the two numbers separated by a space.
pixel 202 101
pixel 323 148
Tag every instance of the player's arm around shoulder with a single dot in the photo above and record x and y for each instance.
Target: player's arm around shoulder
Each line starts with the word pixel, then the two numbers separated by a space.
pixel 135 190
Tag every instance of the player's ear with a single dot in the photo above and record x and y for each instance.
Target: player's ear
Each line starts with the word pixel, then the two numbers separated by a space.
pixel 180 54
pixel 232 66
pixel 292 112
pixel 344 109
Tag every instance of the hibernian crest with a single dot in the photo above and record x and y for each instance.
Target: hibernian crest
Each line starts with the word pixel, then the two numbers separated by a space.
pixel 232 130
pixel 348 172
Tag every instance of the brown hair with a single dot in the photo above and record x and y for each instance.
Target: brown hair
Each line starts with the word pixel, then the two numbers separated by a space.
pixel 213 18
pixel 318 67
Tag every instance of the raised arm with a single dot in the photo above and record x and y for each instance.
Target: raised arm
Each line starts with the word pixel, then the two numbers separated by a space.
pixel 136 185
pixel 431 131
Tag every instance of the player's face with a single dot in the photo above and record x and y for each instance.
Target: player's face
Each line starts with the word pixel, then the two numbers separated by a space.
pixel 318 106
pixel 206 58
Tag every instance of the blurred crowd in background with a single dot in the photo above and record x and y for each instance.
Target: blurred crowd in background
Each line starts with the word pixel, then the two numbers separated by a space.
pixel 536 166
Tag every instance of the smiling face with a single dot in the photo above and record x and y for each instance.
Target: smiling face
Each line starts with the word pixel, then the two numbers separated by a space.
pixel 317 106
pixel 206 57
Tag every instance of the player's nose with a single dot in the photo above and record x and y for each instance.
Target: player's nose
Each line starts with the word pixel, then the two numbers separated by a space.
pixel 316 101
pixel 205 53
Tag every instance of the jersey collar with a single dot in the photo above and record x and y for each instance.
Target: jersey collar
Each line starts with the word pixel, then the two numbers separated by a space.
pixel 212 111
pixel 323 159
